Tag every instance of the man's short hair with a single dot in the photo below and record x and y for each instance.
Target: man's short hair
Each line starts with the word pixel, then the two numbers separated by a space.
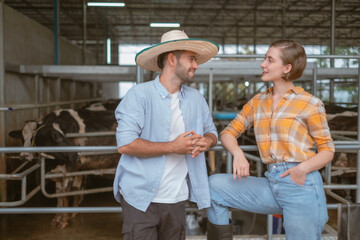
pixel 163 57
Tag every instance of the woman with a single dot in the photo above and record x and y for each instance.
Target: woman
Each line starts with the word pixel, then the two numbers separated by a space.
pixel 287 121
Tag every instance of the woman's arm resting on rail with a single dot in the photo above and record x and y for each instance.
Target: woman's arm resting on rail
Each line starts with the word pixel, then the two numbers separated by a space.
pixel 240 163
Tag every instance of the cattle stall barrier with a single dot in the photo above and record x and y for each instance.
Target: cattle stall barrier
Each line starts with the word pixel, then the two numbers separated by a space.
pixel 350 145
pixel 17 107
pixel 315 73
pixel 46 91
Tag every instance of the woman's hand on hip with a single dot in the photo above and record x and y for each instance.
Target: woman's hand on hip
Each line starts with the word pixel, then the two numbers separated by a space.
pixel 297 174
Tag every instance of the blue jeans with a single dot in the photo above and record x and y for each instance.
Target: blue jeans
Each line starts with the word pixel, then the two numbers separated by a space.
pixel 303 207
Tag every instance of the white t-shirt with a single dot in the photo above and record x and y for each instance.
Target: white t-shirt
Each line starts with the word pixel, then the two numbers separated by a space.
pixel 173 186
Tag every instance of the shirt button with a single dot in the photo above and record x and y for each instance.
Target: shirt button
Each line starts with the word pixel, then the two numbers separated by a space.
pixel 153 190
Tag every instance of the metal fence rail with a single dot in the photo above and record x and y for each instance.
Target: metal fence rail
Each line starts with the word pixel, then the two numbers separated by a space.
pixel 339 145
pixel 47 210
pixel 43 105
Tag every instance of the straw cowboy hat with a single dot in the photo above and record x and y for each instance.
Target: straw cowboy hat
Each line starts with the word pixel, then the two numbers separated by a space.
pixel 176 40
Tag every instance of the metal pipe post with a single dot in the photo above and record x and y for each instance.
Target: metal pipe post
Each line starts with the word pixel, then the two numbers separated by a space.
pixel 84 33
pixel 139 74
pixel 211 79
pixel 332 98
pixel 56 31
pixel 283 19
pixel 254 29
pixel 332 40
pixel 94 90
pixel 235 92
pixel 48 92
pixel 358 132
pixel 237 38
pixel 315 80
pixel 72 93
pixel 58 90
pixel 37 95
pixel 228 162
pixel 2 103
pixel 269 226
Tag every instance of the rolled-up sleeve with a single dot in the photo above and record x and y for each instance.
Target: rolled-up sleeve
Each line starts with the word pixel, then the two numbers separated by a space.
pixel 242 121
pixel 130 117
pixel 319 129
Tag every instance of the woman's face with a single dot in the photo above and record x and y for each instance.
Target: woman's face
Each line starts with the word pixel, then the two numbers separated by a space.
pixel 272 67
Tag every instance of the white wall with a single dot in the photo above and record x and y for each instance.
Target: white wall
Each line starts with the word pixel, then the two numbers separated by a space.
pixel 26 42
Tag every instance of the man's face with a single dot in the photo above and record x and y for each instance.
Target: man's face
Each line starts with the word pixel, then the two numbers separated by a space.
pixel 186 67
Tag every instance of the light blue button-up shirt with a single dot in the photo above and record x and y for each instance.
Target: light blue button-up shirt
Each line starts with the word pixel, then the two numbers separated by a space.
pixel 145 113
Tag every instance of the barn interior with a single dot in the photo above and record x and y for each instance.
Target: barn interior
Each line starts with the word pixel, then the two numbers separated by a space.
pixel 68 54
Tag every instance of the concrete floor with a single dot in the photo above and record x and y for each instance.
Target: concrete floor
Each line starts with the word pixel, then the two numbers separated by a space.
pixel 99 226
pixel 87 226
pixel 94 226
pixel 84 226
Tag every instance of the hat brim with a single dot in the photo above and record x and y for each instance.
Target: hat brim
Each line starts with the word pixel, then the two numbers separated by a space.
pixel 205 50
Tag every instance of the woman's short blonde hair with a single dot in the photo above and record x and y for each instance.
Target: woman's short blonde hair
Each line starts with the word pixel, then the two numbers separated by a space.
pixel 292 53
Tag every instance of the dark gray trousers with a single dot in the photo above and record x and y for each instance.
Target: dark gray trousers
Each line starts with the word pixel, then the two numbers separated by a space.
pixel 159 222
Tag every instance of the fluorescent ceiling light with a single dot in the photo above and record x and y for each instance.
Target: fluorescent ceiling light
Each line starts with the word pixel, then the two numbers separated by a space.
pixel 106 4
pixel 164 24
pixel 108 51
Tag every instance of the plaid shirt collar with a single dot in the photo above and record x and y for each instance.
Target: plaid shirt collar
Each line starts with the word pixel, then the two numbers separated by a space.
pixel 296 90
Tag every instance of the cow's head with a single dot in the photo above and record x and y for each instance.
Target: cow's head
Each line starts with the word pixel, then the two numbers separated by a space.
pixel 42 135
pixel 26 136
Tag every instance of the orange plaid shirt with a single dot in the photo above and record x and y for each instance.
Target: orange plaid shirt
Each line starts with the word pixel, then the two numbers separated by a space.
pixel 288 133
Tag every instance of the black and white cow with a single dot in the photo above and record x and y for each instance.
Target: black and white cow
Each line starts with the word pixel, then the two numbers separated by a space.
pixel 52 130
pixel 109 105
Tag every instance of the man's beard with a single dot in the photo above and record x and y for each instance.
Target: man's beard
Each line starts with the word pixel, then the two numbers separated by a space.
pixel 182 73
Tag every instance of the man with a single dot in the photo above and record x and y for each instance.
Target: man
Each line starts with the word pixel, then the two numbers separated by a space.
pixel 164 127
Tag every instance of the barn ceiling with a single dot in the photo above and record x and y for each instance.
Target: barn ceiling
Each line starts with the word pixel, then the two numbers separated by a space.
pixel 225 21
